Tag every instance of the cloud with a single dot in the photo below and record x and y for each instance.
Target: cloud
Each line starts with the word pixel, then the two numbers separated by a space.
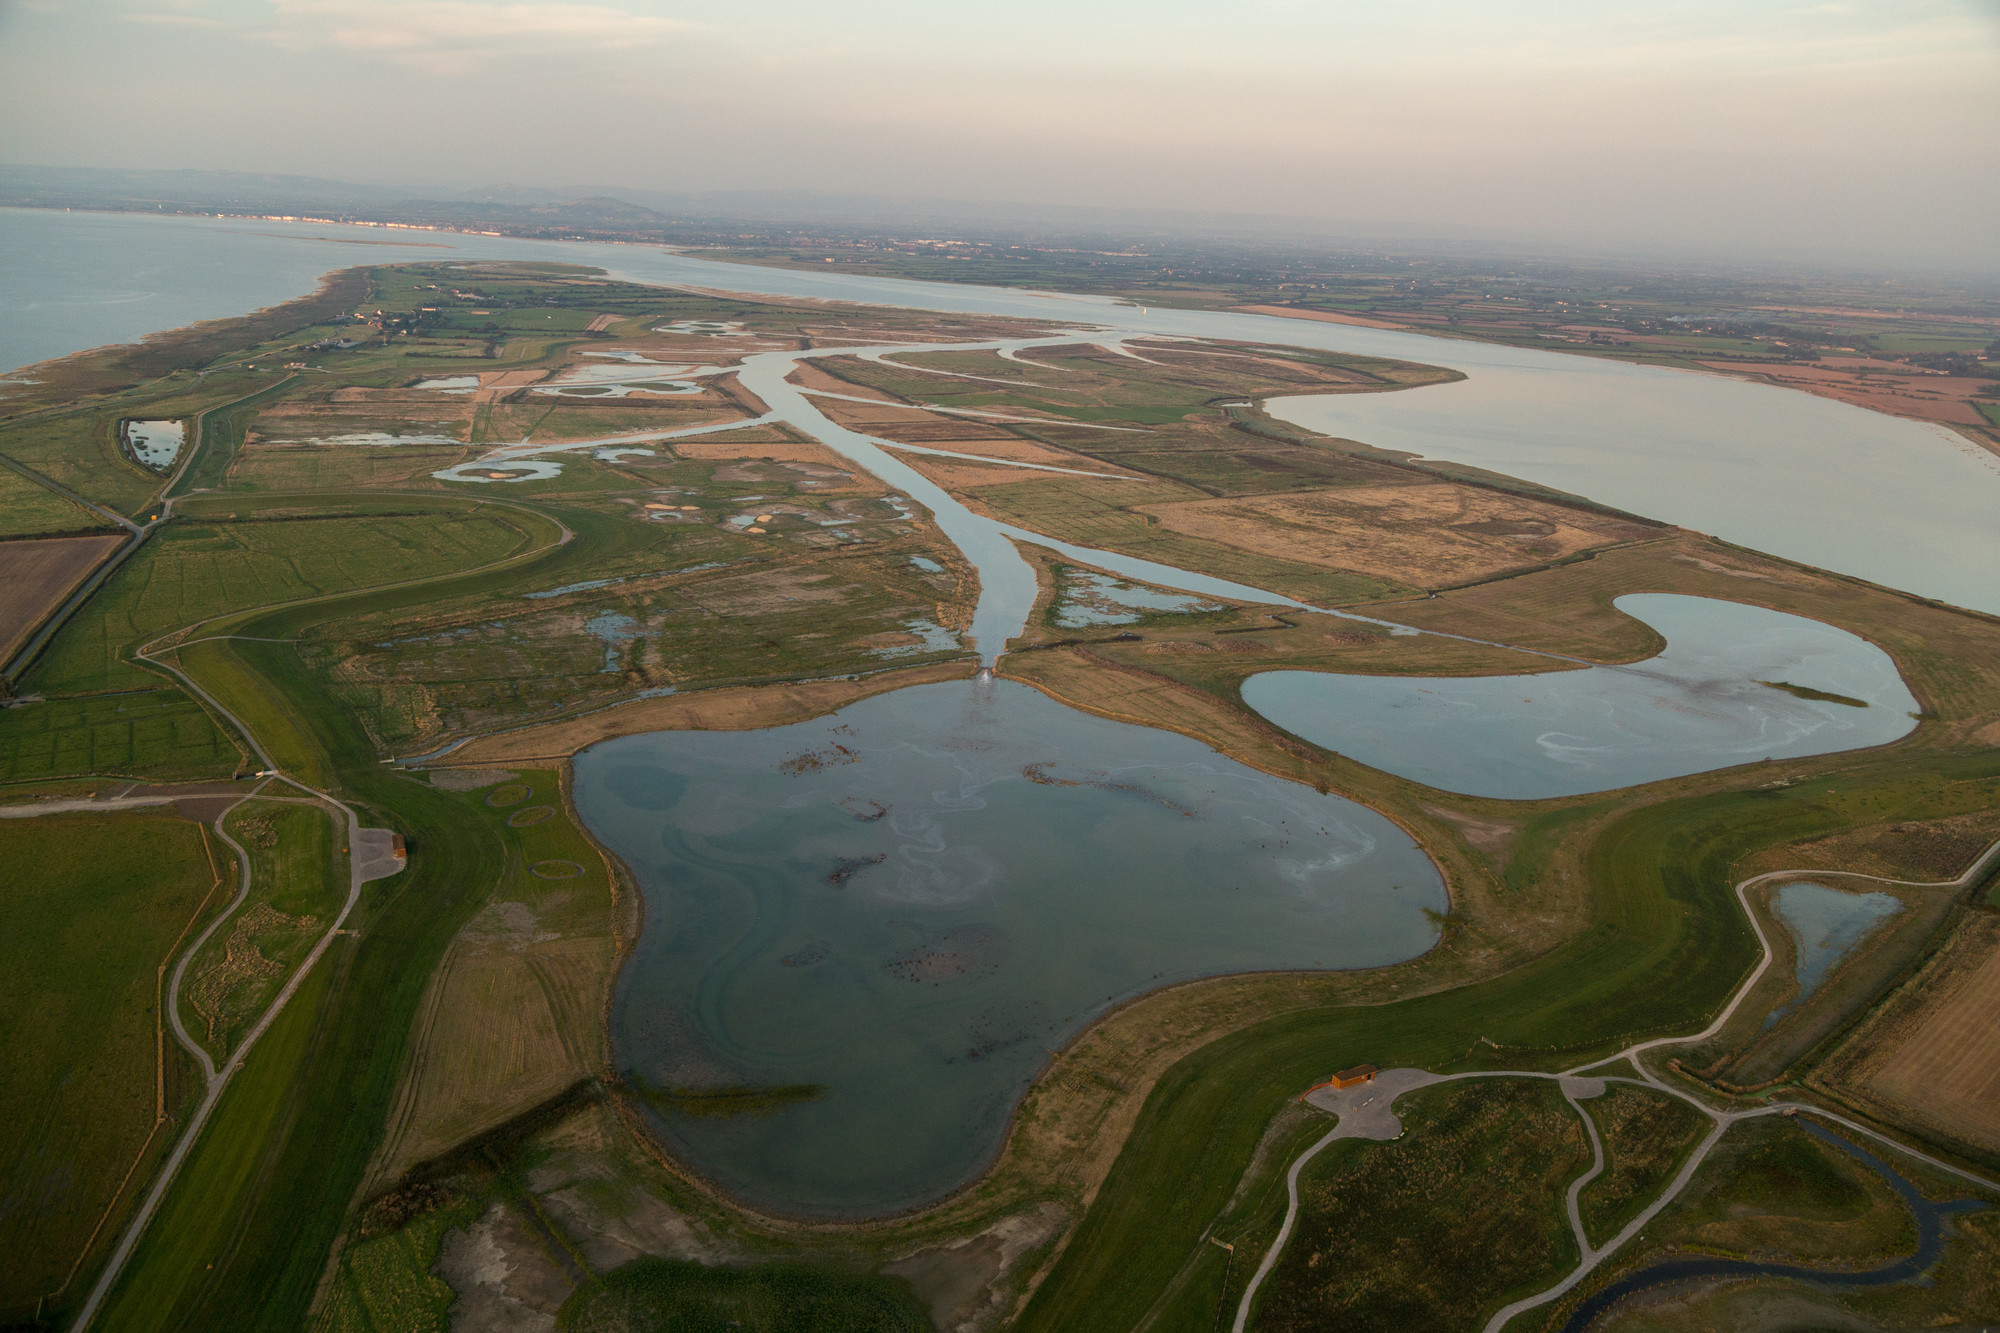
pixel 463 36
pixel 175 20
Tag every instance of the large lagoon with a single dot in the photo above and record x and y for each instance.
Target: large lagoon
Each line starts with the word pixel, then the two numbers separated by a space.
pixel 907 905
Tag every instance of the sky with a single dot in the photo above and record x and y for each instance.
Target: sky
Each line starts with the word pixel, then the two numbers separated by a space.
pixel 1864 133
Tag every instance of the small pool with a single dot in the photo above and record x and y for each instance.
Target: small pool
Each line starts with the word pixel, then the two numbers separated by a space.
pixel 1825 924
pixel 1712 699
pixel 156 444
pixel 1085 598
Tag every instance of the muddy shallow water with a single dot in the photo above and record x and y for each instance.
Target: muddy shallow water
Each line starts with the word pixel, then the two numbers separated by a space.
pixel 910 902
pixel 1700 705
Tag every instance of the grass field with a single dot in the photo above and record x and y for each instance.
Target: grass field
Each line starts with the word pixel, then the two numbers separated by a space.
pixel 298 881
pixel 145 733
pixel 514 1014
pixel 1646 1136
pixel 1374 1250
pixel 202 568
pixel 30 509
pixel 94 906
pixel 287 1148
pixel 313 468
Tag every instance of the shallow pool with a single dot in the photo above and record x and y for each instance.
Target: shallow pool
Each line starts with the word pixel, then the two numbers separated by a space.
pixel 1825 924
pixel 1702 704
pixel 911 902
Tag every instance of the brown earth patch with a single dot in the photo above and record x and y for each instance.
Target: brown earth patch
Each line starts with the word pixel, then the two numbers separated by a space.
pixel 1429 533
pixel 1495 837
pixel 957 475
pixel 741 708
pixel 39 575
pixel 499 1031
pixel 1927 851
pixel 1931 1056
pixel 1941 398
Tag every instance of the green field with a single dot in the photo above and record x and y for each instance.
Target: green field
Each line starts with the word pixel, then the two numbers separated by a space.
pixel 1647 1136
pixel 197 569
pixel 286 1148
pixel 93 908
pixel 1665 944
pixel 157 732
pixel 29 509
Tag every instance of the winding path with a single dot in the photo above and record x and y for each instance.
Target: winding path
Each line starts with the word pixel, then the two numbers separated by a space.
pixel 369 859
pixel 1366 1111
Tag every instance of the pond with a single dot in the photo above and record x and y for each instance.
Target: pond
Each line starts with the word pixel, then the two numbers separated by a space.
pixel 156 444
pixel 1825 924
pixel 1086 598
pixel 1712 699
pixel 882 922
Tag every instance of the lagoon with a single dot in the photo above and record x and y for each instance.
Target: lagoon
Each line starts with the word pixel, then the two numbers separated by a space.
pixel 911 902
pixel 1702 704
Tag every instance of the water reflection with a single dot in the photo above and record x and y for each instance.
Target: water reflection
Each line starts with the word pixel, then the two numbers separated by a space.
pixel 908 904
pixel 1708 701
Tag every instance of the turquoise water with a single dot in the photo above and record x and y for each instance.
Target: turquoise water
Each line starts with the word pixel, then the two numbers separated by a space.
pixel 911 902
pixel 1696 707
pixel 1825 924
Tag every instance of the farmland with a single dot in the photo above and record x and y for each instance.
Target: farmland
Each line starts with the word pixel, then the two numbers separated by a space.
pixel 28 509
pixel 40 575
pixel 95 907
pixel 1929 1055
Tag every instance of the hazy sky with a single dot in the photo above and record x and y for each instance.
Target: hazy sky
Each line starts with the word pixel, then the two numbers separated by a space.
pixel 1864 131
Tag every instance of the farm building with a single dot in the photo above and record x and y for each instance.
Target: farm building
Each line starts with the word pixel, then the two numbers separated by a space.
pixel 1347 1078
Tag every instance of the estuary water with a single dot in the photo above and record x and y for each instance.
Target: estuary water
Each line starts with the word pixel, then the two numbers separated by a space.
pixel 1703 703
pixel 1902 503
pixel 908 904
